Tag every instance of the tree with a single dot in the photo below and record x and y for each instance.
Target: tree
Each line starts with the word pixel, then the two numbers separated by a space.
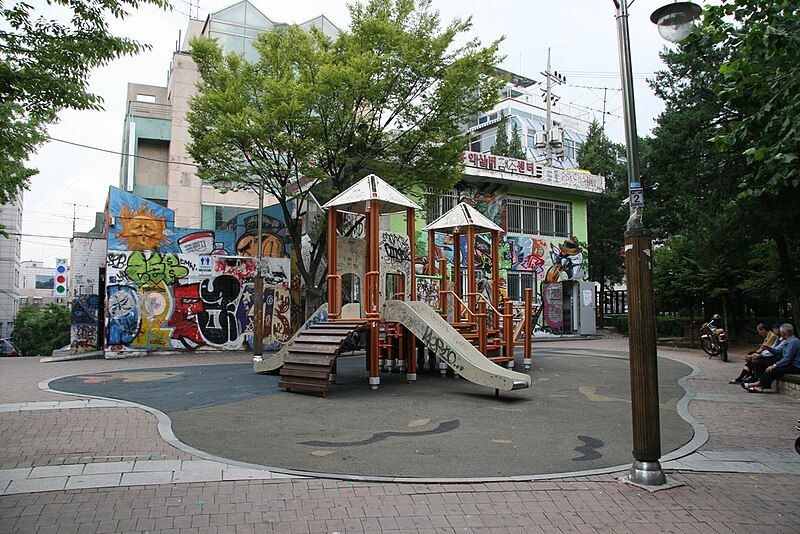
pixel 606 215
pixel 703 177
pixel 45 66
pixel 760 85
pixel 515 149
pixel 38 332
pixel 388 96
pixel 500 146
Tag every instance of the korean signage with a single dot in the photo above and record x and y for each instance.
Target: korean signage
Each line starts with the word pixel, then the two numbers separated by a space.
pixel 531 172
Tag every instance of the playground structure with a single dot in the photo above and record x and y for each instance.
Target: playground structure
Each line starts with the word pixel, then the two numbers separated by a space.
pixel 403 313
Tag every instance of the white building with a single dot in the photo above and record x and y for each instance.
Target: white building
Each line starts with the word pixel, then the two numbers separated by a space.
pixel 11 220
pixel 36 285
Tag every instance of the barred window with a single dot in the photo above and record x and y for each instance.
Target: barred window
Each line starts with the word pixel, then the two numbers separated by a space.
pixel 437 205
pixel 539 217
pixel 518 282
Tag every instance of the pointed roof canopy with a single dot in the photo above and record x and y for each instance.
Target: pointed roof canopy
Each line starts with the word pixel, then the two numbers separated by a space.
pixel 461 216
pixel 355 199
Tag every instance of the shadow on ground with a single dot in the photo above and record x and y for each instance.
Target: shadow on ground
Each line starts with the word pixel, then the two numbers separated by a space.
pixel 575 416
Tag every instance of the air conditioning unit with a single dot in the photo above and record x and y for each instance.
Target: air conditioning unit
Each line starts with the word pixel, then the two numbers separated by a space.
pixel 540 139
pixel 555 137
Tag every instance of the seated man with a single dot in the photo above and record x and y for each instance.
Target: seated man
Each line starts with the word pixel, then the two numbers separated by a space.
pixel 770 339
pixel 788 364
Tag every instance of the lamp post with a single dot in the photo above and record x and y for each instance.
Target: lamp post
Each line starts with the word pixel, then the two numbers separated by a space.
pixel 675 22
pixel 258 280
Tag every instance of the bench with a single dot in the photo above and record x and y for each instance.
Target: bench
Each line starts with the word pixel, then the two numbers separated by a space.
pixel 789 385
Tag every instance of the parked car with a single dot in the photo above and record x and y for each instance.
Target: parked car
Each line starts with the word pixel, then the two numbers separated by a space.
pixel 7 349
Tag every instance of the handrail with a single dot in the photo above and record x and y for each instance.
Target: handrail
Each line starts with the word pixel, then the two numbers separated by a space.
pixel 481 296
pixel 466 308
pixel 335 295
pixel 373 293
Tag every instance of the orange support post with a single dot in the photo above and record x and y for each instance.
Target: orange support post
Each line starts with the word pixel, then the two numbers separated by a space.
pixel 410 340
pixel 472 283
pixel 508 329
pixel 431 267
pixel 528 347
pixel 334 289
pixel 373 287
pixel 496 273
pixel 443 288
pixel 457 276
pixel 480 317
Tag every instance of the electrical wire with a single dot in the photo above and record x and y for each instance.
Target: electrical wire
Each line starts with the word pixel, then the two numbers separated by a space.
pixel 118 153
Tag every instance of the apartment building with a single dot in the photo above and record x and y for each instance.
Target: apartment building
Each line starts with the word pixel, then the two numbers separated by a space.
pixel 156 128
pixel 11 220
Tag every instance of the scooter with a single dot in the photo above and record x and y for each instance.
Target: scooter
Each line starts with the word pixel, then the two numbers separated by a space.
pixel 714 341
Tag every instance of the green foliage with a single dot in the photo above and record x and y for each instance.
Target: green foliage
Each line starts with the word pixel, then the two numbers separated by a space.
pixel 38 332
pixel 388 96
pixel 606 214
pixel 666 325
pixel 728 221
pixel 45 66
pixel 500 146
pixel 515 149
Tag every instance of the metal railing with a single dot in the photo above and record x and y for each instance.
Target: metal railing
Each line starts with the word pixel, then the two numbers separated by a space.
pixel 154 110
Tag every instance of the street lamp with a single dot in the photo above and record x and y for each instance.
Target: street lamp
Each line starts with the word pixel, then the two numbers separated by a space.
pixel 675 23
pixel 258 280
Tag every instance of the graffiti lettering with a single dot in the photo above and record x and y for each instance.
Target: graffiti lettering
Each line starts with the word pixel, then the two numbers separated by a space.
pixel 154 269
pixel 117 261
pixel 217 320
pixel 441 348
pixel 123 321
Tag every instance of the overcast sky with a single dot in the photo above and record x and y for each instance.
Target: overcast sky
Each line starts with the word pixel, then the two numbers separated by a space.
pixel 581 34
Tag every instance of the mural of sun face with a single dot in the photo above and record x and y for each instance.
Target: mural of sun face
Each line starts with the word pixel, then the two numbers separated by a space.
pixel 142 229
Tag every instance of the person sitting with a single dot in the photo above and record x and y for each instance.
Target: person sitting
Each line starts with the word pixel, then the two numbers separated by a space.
pixel 770 338
pixel 788 364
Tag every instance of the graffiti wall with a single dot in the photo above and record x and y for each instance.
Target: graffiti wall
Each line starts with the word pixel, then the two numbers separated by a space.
pixel 83 332
pixel 428 290
pixel 171 288
pixel 395 258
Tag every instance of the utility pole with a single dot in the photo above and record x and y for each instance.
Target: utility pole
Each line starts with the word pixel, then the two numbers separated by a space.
pixel 551 78
pixel 605 92
pixel 549 149
pixel 74 212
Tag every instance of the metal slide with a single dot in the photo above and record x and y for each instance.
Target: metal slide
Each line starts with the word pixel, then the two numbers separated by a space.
pixel 445 341
pixel 273 362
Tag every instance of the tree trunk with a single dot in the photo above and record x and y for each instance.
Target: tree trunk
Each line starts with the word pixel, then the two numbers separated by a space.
pixel 314 297
pixel 788 273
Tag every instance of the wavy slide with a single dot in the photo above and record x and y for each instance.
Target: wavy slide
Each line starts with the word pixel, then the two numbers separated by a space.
pixel 273 362
pixel 448 344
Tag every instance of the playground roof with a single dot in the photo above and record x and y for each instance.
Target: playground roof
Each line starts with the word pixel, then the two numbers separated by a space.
pixel 371 187
pixel 461 216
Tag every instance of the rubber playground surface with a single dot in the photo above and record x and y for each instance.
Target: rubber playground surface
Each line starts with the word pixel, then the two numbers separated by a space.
pixel 574 417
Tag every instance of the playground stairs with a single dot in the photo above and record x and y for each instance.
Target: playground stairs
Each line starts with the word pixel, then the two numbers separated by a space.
pixel 311 357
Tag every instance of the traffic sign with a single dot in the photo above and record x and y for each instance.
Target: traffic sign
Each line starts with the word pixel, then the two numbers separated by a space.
pixel 60 278
pixel 637 198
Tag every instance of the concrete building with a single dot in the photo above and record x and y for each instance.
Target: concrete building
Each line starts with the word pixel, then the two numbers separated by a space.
pixel 11 220
pixel 156 127
pixel 36 287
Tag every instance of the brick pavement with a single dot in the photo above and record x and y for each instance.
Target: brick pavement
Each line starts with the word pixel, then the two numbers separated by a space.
pixel 708 502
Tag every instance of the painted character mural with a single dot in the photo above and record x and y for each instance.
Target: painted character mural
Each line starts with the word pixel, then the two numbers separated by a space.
pixel 567 259
pixel 123 315
pixel 187 305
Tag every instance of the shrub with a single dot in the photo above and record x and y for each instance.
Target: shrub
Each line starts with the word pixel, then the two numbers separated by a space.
pixel 38 332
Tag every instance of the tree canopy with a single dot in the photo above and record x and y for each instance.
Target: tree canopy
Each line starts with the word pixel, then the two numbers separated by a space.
pixel 606 215
pixel 38 332
pixel 723 192
pixel 314 114
pixel 45 66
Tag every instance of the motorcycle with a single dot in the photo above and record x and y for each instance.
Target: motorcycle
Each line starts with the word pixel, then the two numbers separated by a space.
pixel 714 343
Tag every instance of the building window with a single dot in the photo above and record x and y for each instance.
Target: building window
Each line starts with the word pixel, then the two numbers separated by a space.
pixel 518 282
pixel 437 205
pixel 222 217
pixel 539 217
pixel 571 148
pixel 23 301
pixel 37 301
pixel 44 281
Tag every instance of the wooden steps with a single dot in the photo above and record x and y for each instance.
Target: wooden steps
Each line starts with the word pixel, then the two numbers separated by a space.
pixel 312 355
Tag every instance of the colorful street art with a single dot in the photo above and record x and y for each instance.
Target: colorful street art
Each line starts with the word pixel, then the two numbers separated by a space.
pixel 83 332
pixel 567 260
pixel 553 303
pixel 428 290
pixel 173 288
pixel 395 258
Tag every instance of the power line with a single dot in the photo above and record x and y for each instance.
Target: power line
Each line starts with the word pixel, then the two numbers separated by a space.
pixel 40 235
pixel 121 153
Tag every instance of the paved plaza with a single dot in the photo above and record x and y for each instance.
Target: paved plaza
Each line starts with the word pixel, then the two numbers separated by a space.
pixel 128 464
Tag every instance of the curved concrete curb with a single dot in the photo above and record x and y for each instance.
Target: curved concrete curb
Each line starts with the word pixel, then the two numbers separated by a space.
pixel 165 430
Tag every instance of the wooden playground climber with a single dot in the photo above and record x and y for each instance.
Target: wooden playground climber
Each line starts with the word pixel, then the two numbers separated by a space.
pixel 469 333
